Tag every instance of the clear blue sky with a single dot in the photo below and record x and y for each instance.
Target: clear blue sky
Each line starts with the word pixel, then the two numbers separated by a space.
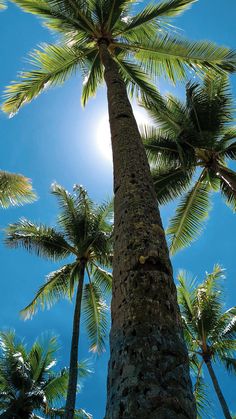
pixel 54 139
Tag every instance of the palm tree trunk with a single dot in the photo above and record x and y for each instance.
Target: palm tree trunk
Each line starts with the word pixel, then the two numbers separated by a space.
pixel 218 391
pixel 73 370
pixel 148 370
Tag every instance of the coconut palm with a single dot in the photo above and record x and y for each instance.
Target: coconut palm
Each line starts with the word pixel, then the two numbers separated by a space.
pixel 188 150
pixel 84 235
pixel 210 331
pixel 106 41
pixel 29 384
pixel 15 189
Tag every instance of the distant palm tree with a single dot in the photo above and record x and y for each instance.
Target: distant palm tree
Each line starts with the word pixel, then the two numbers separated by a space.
pixel 29 383
pixel 210 332
pixel 106 41
pixel 84 235
pixel 188 151
pixel 15 189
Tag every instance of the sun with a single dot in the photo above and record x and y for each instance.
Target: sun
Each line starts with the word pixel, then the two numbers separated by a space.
pixel 103 136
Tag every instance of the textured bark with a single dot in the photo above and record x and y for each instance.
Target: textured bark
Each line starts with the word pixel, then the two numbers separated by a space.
pixel 218 391
pixel 148 370
pixel 73 370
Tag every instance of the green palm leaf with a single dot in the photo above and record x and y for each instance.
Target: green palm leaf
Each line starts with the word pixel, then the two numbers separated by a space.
pixel 227 185
pixel 192 211
pixel 58 286
pixel 40 239
pixel 15 189
pixel 54 65
pixel 151 12
pixel 92 79
pixel 167 56
pixel 95 315
pixel 170 183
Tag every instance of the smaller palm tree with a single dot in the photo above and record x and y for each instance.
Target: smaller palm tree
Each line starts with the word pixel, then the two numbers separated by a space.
pixel 210 331
pixel 15 189
pixel 84 235
pixel 29 384
pixel 188 151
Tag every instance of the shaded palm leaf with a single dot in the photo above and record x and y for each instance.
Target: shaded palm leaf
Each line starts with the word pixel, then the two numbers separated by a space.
pixel 95 315
pixel 58 286
pixel 187 222
pixel 40 239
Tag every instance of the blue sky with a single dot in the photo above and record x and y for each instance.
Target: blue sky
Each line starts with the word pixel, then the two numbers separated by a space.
pixel 53 138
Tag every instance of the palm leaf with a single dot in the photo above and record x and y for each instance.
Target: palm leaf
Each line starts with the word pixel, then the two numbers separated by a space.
pixel 186 225
pixel 102 278
pixel 171 183
pixel 54 65
pixel 95 316
pixel 42 240
pixel 137 81
pixel 15 189
pixel 93 78
pixel 168 8
pixel 58 286
pixel 227 185
pixel 173 58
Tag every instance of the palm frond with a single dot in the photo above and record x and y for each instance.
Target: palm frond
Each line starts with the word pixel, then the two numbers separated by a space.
pixel 173 58
pixel 150 13
pixel 71 15
pixel 54 65
pixel 230 364
pixel 95 316
pixel 15 189
pixel 93 78
pixel 204 405
pixel 102 278
pixel 58 286
pixel 227 185
pixel 42 240
pixel 186 225
pixel 186 294
pixel 171 182
pixel 137 81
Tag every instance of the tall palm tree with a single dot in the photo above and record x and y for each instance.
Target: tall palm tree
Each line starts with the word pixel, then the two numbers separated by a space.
pixel 15 189
pixel 29 384
pixel 210 331
pixel 84 235
pixel 188 150
pixel 108 42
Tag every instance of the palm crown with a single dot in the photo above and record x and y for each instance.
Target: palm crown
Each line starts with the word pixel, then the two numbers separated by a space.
pixel 84 234
pixel 209 330
pixel 28 380
pixel 15 189
pixel 189 150
pixel 138 43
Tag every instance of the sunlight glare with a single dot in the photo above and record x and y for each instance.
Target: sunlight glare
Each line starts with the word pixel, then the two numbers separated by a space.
pixel 103 132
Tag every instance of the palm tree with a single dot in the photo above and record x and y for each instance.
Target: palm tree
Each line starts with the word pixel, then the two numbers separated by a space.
pixel 84 235
pixel 15 189
pixel 29 384
pixel 188 151
pixel 107 42
pixel 210 331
